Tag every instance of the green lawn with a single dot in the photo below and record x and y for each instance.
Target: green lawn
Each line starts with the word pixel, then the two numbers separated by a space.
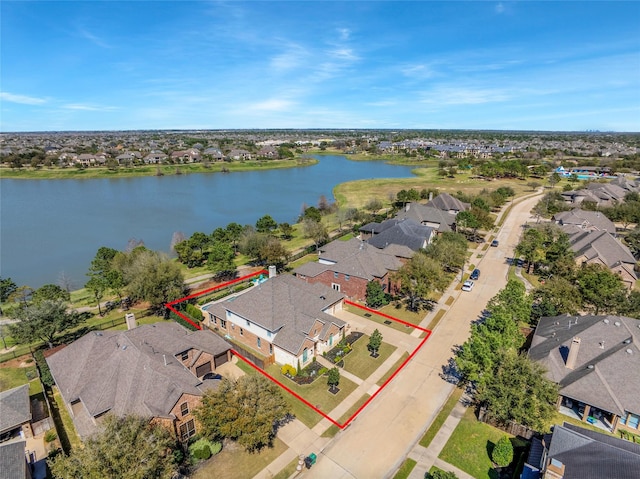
pixel 12 377
pixel 441 417
pixel 470 446
pixel 393 369
pixel 405 469
pixel 288 470
pixel 403 314
pixel 436 319
pixel 333 429
pixel 359 360
pixel 316 393
pixel 64 425
pixel 234 461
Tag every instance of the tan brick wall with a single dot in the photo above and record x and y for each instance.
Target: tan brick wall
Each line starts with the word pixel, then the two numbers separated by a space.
pixel 193 402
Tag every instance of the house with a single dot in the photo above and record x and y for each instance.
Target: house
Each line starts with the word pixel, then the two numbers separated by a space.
pixel 573 452
pixel 594 359
pixel 283 319
pixel 155 157
pixel 435 218
pixel 446 202
pixel 348 266
pixel 215 153
pixel 586 220
pixel 239 154
pixel 187 156
pixel 13 461
pixel 268 152
pixel 600 247
pixel 158 371
pixel 15 419
pixel 406 234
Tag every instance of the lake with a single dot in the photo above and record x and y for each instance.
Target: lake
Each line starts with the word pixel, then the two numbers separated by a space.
pixel 51 226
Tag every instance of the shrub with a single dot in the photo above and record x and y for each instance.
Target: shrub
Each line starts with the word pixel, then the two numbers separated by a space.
pixel 216 447
pixel 194 312
pixel 440 474
pixel 289 370
pixel 45 373
pixel 322 371
pixel 50 435
pixel 203 449
pixel 502 453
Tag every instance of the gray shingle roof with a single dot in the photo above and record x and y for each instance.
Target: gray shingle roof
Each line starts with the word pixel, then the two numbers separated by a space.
pixel 285 305
pixel 405 233
pixel 15 408
pixel 131 372
pixel 430 215
pixel 605 345
pixel 446 202
pixel 13 464
pixel 583 218
pixel 591 455
pixel 601 245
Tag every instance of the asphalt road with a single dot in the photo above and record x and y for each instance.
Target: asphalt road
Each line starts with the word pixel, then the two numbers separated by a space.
pixel 379 439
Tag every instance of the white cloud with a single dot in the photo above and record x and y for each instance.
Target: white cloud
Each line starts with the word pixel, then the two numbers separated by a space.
pixel 273 104
pixel 78 106
pixel 23 99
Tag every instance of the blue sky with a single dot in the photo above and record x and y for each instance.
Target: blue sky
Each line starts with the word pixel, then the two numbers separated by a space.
pixel 479 65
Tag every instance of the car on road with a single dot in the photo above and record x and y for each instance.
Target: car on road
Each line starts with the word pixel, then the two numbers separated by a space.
pixel 467 286
pixel 475 274
pixel 495 243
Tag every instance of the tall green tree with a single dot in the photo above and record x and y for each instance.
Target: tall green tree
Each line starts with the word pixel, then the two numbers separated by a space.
pixel 333 378
pixel 602 290
pixel 245 411
pixel 266 224
pixel 52 292
pixel 127 448
pixel 375 295
pixel 375 341
pixel 450 250
pixel 220 260
pixel 43 321
pixel 7 288
pixel 316 231
pixel 418 277
pixel 513 300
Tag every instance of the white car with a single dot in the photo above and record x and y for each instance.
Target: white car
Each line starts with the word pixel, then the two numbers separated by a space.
pixel 467 286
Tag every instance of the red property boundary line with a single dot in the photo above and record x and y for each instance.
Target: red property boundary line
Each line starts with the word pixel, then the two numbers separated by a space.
pixel 293 393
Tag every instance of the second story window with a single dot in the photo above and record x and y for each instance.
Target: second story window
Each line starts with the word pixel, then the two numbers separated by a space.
pixel 184 408
pixel 185 356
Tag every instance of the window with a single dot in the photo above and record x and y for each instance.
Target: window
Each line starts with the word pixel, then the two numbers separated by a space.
pixel 184 409
pixel 268 334
pixel 335 286
pixel 259 342
pixel 215 320
pixel 248 323
pixel 187 429
pixel 185 356
pixel 346 277
pixel 223 324
pixel 633 420
pixel 304 355
pixel 270 348
pixel 241 332
pixel 335 274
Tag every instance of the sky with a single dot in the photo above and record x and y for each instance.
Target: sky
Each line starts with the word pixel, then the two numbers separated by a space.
pixel 106 65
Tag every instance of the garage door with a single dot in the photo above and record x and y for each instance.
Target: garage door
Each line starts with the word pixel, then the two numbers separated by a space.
pixel 203 369
pixel 219 360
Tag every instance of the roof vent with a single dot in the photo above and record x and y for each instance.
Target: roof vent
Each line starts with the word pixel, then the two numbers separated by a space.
pixel 627 341
pixel 124 348
pixel 98 333
pixel 605 321
pixel 629 351
pixel 590 366
pixel 617 323
pixel 601 344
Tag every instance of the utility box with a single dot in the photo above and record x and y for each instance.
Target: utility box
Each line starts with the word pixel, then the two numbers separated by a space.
pixel 310 460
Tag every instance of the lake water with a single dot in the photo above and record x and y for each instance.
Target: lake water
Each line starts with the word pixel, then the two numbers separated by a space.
pixel 50 226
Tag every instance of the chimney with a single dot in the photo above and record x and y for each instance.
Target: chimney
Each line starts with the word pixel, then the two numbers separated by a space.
pixel 407 207
pixel 130 318
pixel 272 271
pixel 164 356
pixel 573 353
pixel 430 195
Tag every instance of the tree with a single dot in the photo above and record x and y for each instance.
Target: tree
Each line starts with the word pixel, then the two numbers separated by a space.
pixel 152 277
pixel 450 250
pixel 65 282
pixel 316 231
pixel 200 240
pixel 502 453
pixel 43 321
pixel 375 341
pixel 246 410
pixel 128 447
pixel 272 252
pixel 440 474
pixel 97 286
pixel 633 241
pixel 601 290
pixel 518 390
pixel 234 231
pixel 418 277
pixel 373 205
pixel 52 292
pixel 466 219
pixel 555 297
pixel 286 230
pixel 22 295
pixel 7 288
pixel 266 224
pixel 333 378
pixel 220 260
pixel 375 295
pixel 514 300
pixel 311 213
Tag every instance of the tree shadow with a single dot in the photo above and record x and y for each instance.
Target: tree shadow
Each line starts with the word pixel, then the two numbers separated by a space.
pixel 450 372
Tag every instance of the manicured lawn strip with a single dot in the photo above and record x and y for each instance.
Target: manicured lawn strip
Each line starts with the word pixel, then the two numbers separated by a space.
pixel 333 429
pixel 393 369
pixel 405 469
pixel 64 425
pixel 288 470
pixel 403 313
pixel 379 319
pixel 469 445
pixel 436 319
pixel 245 367
pixel 234 461
pixel 316 393
pixel 441 417
pixel 449 301
pixel 13 377
pixel 359 360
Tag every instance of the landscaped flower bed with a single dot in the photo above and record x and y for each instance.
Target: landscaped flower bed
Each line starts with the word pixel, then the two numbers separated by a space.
pixel 307 375
pixel 344 347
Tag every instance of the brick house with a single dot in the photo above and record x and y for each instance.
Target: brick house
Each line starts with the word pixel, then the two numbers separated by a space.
pixel 283 319
pixel 348 266
pixel 158 371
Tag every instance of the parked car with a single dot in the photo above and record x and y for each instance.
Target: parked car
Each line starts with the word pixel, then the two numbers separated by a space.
pixel 475 274
pixel 495 243
pixel 467 286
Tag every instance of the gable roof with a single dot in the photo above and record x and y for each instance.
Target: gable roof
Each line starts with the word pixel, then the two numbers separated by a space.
pixel 428 214
pixel 591 455
pixel 286 306
pixel 13 463
pixel 131 372
pixel 585 219
pixel 601 245
pixel 405 233
pixel 608 350
pixel 15 407
pixel 446 202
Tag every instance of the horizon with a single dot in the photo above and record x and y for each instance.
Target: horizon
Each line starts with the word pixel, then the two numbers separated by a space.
pixel 470 66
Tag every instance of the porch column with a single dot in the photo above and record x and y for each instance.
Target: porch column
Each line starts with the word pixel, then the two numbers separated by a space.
pixel 614 423
pixel 559 402
pixel 587 410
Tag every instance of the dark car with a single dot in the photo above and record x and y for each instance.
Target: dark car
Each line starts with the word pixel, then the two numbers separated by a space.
pixel 475 274
pixel 495 243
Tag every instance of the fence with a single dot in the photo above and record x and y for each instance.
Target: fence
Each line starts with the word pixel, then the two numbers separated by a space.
pixel 261 362
pixel 511 427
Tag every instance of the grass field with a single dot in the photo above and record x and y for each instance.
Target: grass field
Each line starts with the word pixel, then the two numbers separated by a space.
pixel 64 425
pixel 359 360
pixel 405 469
pixel 12 377
pixel 234 461
pixel 392 310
